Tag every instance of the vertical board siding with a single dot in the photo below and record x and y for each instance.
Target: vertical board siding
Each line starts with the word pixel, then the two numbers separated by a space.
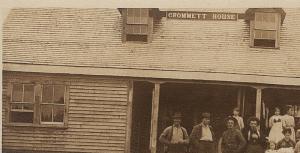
pixel 97 120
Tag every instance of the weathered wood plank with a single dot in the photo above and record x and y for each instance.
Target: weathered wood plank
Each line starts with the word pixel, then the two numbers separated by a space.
pixel 98 98
pixel 98 88
pixel 94 91
pixel 98 102
pixel 97 118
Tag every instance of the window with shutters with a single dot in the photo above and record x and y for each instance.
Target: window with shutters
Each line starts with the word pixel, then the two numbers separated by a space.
pixel 37 103
pixel 137 24
pixel 265 30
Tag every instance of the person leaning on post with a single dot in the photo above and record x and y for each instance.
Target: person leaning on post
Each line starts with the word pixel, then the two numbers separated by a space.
pixel 202 136
pixel 175 137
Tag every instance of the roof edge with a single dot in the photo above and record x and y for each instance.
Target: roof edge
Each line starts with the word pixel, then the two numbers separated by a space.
pixel 154 74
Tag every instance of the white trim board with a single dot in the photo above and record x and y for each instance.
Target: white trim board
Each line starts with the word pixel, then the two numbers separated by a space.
pixel 158 74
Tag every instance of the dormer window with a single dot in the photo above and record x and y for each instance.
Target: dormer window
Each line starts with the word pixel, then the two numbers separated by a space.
pixel 137 24
pixel 265 30
pixel 265 26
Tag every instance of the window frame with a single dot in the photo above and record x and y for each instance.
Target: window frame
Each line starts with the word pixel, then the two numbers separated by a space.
pixel 41 103
pixel 10 102
pixel 139 26
pixel 37 104
pixel 277 31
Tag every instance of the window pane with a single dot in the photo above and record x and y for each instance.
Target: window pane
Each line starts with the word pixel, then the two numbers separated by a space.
pixel 46 113
pixel 58 113
pixel 264 43
pixel 144 29
pixel 21 117
pixel 257 34
pixel 130 16
pixel 137 29
pixel 137 16
pixel 264 34
pixel 47 94
pixel 272 34
pixel 59 92
pixel 28 106
pixel 16 106
pixel 258 17
pixel 141 38
pixel 17 93
pixel 144 12
pixel 265 21
pixel 130 12
pixel 137 12
pixel 129 28
pixel 28 93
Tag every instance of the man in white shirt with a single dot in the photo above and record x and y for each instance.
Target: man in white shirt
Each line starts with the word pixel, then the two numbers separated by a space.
pixel 175 137
pixel 202 136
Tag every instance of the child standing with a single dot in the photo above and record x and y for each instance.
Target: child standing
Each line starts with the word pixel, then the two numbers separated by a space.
pixel 272 147
pixel 239 119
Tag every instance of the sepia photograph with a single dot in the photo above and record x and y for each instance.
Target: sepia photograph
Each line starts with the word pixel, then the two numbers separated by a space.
pixel 151 79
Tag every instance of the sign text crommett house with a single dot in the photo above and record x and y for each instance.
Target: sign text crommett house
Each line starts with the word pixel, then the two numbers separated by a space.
pixel 202 15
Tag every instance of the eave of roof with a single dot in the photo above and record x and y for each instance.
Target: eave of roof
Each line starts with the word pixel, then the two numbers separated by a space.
pixel 154 74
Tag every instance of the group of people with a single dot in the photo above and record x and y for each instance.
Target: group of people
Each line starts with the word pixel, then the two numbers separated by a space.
pixel 235 139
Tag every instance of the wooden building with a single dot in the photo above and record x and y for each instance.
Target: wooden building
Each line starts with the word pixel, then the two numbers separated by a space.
pixel 107 80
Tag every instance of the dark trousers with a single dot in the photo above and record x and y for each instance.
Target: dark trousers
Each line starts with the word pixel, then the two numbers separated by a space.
pixel 177 149
pixel 254 148
pixel 206 147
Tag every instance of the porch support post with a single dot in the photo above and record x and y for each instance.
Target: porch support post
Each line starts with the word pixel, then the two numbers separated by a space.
pixel 243 102
pixel 154 118
pixel 129 116
pixel 239 98
pixel 258 102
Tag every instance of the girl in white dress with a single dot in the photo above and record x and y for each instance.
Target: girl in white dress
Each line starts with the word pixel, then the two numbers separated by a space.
pixel 276 125
pixel 289 122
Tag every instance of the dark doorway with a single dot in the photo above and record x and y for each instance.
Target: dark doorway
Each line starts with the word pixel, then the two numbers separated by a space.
pixel 141 116
pixel 192 100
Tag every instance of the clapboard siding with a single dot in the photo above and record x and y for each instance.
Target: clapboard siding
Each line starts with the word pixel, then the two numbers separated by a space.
pixel 97 117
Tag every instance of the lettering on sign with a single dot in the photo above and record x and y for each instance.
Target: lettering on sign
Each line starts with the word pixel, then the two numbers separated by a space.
pixel 202 15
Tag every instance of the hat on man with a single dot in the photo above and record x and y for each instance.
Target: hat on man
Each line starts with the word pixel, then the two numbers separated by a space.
pixel 205 115
pixel 177 115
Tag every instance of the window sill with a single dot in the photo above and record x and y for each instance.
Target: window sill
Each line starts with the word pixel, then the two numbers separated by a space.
pixel 258 47
pixel 54 126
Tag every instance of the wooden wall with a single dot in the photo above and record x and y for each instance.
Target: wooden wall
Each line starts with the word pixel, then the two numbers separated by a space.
pixel 97 117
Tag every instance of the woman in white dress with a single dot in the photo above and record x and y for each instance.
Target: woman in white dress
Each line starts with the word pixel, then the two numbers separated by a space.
pixel 276 125
pixel 289 122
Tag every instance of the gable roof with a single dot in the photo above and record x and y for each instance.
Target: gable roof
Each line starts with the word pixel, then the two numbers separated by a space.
pixel 92 38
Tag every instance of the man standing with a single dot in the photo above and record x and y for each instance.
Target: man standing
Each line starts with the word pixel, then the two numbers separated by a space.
pixel 202 136
pixel 232 139
pixel 255 139
pixel 175 137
